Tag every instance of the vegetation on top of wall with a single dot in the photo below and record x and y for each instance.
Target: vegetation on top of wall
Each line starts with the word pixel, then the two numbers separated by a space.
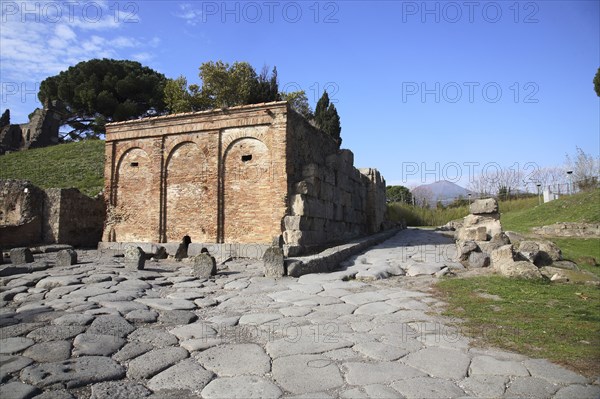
pixel 79 165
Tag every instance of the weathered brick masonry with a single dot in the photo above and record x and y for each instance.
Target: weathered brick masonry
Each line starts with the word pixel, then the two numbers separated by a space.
pixel 240 175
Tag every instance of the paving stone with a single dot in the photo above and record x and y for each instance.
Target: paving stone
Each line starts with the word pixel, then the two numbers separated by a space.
pixel 51 351
pixel 232 360
pixel 241 387
pixel 119 296
pixel 376 308
pixel 378 373
pixel 306 373
pixel 142 316
pixel 189 295
pixel 553 373
pixel 110 325
pixel 124 307
pixel 156 337
pixel 131 350
pixel 295 311
pixel 200 344
pixel 488 365
pixel 311 395
pixel 56 394
pixel 12 363
pixel 73 373
pixel 133 284
pixel 73 319
pixel 224 320
pixel 579 392
pixel 379 351
pixel 427 387
pixel 176 317
pixel 304 343
pixel 151 363
pixel 371 391
pixel 14 345
pixel 167 304
pixel 530 387
pixel 364 298
pixel 485 386
pixel 55 333
pixel 97 344
pixel 17 390
pixel 206 302
pixel 440 362
pixel 187 374
pixel 259 318
pixel 196 330
pixel 59 281
pixel 119 389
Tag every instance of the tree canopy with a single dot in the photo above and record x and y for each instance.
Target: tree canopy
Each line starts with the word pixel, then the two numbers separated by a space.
pixel 327 118
pixel 223 85
pixel 398 194
pixel 98 91
pixel 597 83
pixel 299 103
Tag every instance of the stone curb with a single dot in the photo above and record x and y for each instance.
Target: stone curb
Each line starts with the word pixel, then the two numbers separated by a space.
pixel 329 259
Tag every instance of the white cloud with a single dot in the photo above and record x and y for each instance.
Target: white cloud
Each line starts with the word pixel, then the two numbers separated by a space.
pixel 42 46
pixel 188 13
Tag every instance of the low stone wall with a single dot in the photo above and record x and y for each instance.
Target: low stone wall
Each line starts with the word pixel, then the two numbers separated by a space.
pixel 330 259
pixel 579 230
pixel 31 216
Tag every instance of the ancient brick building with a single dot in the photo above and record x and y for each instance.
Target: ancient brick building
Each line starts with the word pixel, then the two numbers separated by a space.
pixel 242 175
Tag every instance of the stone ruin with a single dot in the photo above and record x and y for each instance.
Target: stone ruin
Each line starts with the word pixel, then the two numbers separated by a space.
pixel 41 130
pixel 235 180
pixel 31 216
pixel 481 242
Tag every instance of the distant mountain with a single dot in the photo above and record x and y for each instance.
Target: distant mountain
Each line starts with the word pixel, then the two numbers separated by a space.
pixel 442 190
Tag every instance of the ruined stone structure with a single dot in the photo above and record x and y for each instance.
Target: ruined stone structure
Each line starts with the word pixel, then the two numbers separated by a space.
pixel 41 131
pixel 31 216
pixel 247 174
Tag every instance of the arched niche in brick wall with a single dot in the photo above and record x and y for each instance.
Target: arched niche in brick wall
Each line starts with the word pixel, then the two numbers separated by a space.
pixel 248 210
pixel 136 207
pixel 190 195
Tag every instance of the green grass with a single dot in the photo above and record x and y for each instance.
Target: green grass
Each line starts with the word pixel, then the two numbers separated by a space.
pixel 417 216
pixel 583 207
pixel 559 322
pixel 79 165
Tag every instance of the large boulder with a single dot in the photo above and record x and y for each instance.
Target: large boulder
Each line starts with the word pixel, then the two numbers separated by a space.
pixel 541 253
pixel 473 234
pixel 464 249
pixel 484 206
pixel 490 222
pixel 519 269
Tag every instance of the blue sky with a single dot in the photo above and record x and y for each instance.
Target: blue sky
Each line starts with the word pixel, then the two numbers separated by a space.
pixel 425 90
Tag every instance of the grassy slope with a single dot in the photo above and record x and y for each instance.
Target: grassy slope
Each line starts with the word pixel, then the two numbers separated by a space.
pixel 582 207
pixel 560 322
pixel 79 165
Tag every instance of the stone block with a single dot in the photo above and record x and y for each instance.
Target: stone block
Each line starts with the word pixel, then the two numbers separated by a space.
pixel 66 257
pixel 504 254
pixel 519 269
pixel 203 265
pixel 134 257
pixel 484 206
pixel 306 188
pixel 478 260
pixel 327 192
pixel 329 177
pixel 19 256
pixel 311 170
pixel 297 223
pixel 464 249
pixel 273 262
pixel 473 234
pixel 541 253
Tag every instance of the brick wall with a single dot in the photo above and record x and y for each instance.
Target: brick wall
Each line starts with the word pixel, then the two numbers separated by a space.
pixel 240 175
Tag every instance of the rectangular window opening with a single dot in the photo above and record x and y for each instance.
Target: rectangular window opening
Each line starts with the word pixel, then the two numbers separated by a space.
pixel 134 164
pixel 246 158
